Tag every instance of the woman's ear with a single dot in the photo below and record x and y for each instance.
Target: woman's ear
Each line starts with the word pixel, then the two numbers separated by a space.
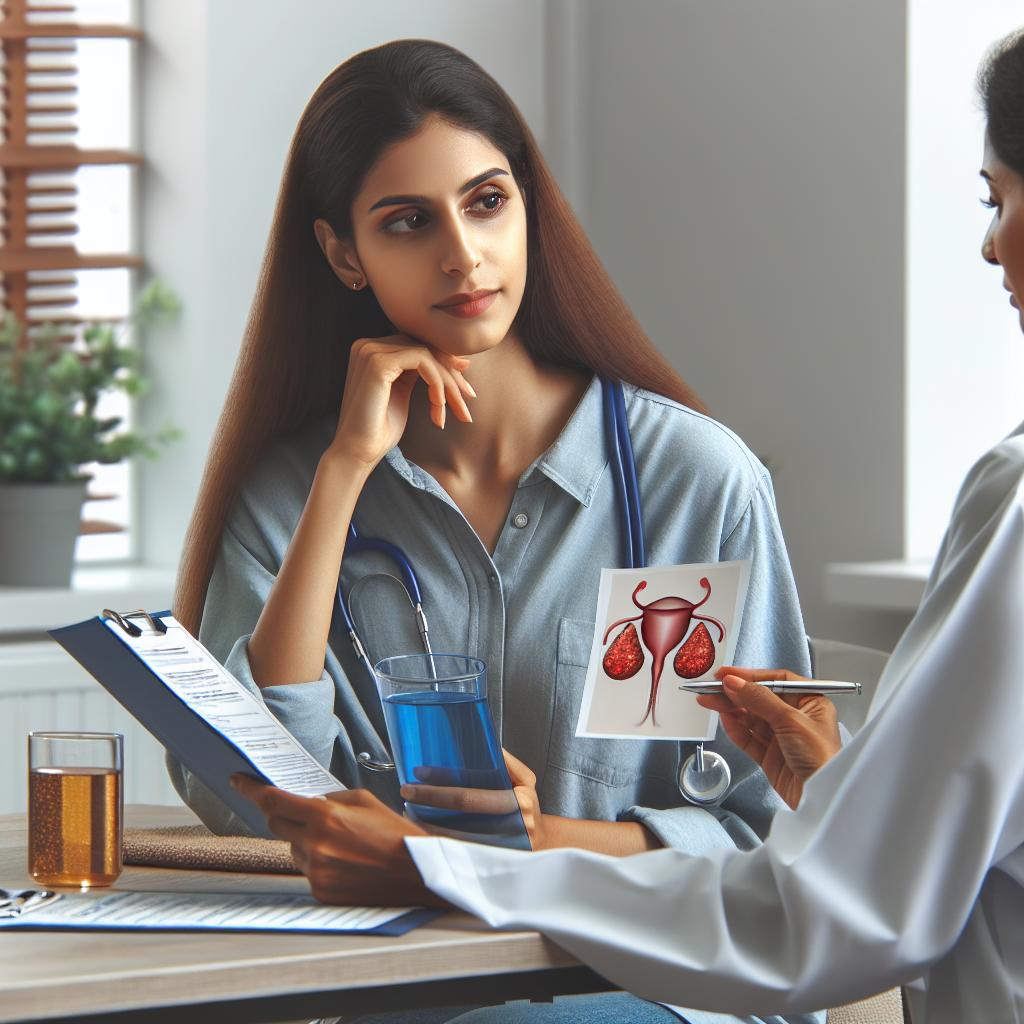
pixel 340 254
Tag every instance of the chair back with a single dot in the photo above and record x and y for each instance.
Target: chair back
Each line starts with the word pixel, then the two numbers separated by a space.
pixel 832 659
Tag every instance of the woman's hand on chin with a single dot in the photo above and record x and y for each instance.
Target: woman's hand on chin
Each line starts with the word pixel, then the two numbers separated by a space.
pixel 349 845
pixel 375 405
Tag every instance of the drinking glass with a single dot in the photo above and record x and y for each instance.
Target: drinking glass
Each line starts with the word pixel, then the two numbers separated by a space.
pixel 443 738
pixel 75 807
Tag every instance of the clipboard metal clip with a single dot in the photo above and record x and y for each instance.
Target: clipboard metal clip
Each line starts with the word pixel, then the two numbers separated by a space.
pixel 25 901
pixel 123 619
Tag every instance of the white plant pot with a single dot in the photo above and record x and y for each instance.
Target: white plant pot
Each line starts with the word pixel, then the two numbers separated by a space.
pixel 39 525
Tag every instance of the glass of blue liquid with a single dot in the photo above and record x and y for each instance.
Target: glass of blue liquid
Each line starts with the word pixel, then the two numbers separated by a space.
pixel 443 740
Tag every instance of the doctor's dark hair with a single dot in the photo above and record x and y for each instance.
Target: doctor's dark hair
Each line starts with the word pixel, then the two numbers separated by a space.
pixel 294 355
pixel 1001 84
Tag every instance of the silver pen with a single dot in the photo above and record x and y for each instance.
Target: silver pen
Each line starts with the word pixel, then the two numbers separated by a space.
pixel 830 687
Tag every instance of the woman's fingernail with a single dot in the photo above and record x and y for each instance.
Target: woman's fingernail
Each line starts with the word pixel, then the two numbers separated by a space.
pixel 732 683
pixel 472 390
pixel 407 792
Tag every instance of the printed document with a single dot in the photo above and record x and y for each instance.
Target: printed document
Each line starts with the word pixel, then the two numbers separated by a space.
pixel 189 911
pixel 197 678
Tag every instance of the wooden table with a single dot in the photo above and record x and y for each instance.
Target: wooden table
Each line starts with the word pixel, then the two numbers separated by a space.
pixel 198 977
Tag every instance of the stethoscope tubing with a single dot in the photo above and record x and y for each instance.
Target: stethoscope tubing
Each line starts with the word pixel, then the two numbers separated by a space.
pixel 614 443
pixel 357 543
pixel 630 485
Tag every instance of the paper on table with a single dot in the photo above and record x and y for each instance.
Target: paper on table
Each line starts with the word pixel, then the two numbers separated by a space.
pixel 196 677
pixel 687 617
pixel 213 911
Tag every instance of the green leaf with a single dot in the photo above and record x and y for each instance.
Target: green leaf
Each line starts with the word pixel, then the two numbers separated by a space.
pixel 50 391
pixel 135 385
pixel 157 305
pixel 10 331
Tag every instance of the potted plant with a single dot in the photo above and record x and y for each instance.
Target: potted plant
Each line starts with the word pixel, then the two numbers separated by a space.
pixel 51 427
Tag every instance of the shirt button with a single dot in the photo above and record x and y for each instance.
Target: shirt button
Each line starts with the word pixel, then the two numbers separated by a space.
pixel 520 520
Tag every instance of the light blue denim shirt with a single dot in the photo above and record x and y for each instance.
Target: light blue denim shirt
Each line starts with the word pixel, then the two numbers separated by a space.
pixel 528 611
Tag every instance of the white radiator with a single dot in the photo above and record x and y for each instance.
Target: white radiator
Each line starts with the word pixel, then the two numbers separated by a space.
pixel 44 688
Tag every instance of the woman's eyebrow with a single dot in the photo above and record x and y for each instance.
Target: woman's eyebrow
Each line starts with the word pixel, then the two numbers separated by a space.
pixel 407 200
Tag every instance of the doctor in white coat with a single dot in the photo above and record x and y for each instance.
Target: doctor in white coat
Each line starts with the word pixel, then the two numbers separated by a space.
pixel 903 860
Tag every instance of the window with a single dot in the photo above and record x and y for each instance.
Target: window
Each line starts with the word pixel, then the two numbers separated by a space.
pixel 70 194
pixel 965 360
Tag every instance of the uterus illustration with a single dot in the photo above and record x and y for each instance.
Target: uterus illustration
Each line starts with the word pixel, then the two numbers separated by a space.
pixel 664 624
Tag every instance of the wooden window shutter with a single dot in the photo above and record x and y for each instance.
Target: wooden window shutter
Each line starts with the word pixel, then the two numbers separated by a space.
pixel 38 162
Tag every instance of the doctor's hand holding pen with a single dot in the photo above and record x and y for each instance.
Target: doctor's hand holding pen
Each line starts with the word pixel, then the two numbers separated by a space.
pixel 790 737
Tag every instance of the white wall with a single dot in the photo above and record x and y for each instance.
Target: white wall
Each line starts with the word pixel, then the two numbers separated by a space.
pixel 224 84
pixel 742 178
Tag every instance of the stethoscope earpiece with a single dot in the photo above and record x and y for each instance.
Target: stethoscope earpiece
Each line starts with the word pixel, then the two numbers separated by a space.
pixel 704 778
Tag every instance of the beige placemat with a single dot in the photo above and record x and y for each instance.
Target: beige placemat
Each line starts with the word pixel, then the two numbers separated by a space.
pixel 885 1008
pixel 195 846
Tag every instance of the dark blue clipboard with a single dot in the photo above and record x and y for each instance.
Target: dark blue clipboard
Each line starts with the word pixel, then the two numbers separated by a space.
pixel 210 755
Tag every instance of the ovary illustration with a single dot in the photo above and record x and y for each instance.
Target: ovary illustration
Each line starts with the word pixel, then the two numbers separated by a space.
pixel 663 625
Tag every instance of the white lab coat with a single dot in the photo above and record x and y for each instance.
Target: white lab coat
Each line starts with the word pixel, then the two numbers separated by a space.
pixel 904 859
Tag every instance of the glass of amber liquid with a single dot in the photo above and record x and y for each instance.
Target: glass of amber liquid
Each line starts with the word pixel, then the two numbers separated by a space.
pixel 75 805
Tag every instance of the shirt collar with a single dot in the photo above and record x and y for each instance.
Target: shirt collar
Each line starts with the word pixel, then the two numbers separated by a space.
pixel 575 461
pixel 579 455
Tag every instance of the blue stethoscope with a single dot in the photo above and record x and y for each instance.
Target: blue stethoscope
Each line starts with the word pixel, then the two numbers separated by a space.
pixel 704 777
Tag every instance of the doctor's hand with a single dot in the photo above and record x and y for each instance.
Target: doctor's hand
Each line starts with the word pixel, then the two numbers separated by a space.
pixel 382 373
pixel 790 737
pixel 349 845
pixel 440 789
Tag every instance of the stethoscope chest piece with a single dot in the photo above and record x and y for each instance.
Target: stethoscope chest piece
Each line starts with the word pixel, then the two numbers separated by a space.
pixel 704 778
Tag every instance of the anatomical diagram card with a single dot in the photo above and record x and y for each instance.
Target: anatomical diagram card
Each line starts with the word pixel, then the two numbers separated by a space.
pixel 657 629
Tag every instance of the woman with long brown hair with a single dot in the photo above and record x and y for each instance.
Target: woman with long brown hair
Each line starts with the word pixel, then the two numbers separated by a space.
pixel 420 239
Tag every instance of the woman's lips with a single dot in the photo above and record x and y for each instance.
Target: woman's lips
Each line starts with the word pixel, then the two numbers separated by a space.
pixel 466 310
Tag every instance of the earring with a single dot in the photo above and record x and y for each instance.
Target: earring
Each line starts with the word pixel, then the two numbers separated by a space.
pixel 357 283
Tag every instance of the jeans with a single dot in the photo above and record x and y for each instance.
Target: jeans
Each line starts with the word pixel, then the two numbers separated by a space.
pixel 602 1008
